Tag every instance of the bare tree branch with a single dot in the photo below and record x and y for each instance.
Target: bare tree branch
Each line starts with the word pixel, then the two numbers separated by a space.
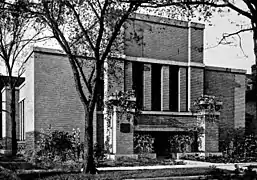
pixel 83 76
pixel 240 45
pixel 4 110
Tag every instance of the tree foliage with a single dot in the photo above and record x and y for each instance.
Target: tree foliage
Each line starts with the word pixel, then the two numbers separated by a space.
pixel 16 34
pixel 90 29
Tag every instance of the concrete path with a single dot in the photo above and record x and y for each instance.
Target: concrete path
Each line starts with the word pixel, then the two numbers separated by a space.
pixel 189 164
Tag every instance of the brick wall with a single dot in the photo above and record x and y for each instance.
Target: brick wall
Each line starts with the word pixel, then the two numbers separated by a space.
pixel 212 136
pixel 133 38
pixel 147 87
pixel 156 40
pixel 51 99
pixel 124 141
pixel 167 120
pixel 197 36
pixel 196 83
pixel 128 76
pixel 183 88
pixel 239 100
pixel 56 103
pixel 228 87
pixel 165 86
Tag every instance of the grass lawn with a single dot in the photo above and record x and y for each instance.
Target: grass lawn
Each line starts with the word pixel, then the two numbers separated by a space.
pixel 132 174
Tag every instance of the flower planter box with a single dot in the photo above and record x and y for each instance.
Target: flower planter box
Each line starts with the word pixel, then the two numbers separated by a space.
pixel 115 101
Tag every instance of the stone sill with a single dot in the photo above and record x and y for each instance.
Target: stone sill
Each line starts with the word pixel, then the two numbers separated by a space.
pixel 169 113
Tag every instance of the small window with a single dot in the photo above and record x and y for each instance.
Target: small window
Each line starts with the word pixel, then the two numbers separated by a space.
pixel 125 127
pixel 137 79
pixel 21 125
pixel 156 87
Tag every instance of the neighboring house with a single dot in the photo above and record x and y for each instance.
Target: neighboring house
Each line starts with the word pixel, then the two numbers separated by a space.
pixel 251 122
pixel 5 119
pixel 163 63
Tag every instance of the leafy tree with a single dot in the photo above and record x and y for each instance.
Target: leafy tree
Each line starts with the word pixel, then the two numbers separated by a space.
pixel 15 27
pixel 90 29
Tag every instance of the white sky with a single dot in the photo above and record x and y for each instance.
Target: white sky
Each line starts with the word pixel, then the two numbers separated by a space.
pixel 228 55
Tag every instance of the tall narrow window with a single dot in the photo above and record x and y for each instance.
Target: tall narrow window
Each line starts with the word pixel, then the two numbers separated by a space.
pixel 21 121
pixel 156 87
pixel 137 79
pixel 173 88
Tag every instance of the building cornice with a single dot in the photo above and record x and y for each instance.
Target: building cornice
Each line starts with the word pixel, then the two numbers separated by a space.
pixel 168 113
pixel 49 51
pixel 166 21
pixel 164 62
pixel 230 70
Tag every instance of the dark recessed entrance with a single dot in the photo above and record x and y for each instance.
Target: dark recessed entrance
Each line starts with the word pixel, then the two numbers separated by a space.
pixel 162 146
pixel 161 143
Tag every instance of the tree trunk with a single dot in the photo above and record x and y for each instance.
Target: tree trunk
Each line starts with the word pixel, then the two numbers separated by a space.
pixel 89 163
pixel 13 120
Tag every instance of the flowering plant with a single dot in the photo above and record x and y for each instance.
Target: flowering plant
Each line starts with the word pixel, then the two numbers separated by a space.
pixel 206 103
pixel 143 143
pixel 179 143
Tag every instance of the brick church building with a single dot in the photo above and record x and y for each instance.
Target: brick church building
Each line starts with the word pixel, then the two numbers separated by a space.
pixel 164 65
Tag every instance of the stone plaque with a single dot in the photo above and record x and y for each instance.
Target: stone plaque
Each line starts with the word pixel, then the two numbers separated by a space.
pixel 125 127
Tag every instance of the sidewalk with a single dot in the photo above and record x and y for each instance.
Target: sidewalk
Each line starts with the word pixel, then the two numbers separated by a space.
pixel 189 164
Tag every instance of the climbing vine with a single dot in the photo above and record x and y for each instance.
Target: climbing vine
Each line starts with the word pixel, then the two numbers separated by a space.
pixel 206 103
pixel 126 107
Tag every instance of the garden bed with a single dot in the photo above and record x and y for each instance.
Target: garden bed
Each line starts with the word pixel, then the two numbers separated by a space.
pixel 138 162
pixel 220 159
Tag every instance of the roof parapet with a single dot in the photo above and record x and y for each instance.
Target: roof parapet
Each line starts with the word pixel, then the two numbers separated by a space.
pixel 167 21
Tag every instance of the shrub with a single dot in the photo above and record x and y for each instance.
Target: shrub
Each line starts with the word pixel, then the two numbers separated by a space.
pixel 238 145
pixel 179 143
pixel 55 147
pixel 143 143
pixel 77 145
